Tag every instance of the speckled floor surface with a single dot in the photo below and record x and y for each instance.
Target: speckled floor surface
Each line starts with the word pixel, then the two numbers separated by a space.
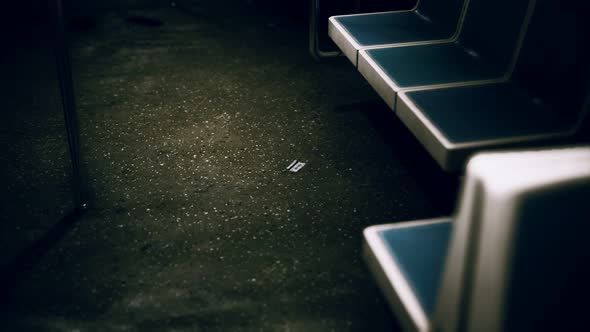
pixel 188 127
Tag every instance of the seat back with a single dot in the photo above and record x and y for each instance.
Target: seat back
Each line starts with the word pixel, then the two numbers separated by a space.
pixel 547 276
pixel 492 30
pixel 518 246
pixel 553 65
pixel 450 295
pixel 445 14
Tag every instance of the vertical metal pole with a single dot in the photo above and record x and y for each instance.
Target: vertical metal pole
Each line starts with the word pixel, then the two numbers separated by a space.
pixel 69 106
pixel 314 27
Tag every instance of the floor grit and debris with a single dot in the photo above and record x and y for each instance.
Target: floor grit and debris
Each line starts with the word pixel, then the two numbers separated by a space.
pixel 187 127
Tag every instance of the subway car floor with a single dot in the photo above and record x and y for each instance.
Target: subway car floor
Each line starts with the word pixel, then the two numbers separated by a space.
pixel 189 117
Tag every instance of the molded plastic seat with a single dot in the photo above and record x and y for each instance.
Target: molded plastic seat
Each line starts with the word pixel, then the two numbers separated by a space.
pixel 483 51
pixel 546 98
pixel 452 123
pixel 430 20
pixel 398 252
pixel 515 245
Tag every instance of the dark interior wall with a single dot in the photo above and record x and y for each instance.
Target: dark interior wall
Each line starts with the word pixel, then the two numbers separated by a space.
pixel 298 9
pixel 16 15
pixel 35 170
pixel 112 4
pixel 33 10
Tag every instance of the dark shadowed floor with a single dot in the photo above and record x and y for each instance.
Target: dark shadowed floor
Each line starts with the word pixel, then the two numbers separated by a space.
pixel 189 117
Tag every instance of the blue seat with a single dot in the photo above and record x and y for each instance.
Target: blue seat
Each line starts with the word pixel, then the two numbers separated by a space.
pixel 430 20
pixel 483 51
pixel 399 252
pixel 546 98
pixel 510 259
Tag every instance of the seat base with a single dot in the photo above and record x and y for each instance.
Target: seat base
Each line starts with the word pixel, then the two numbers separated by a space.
pixel 394 69
pixel 452 123
pixel 354 32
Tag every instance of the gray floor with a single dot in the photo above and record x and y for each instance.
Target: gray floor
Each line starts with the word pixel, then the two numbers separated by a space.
pixel 195 225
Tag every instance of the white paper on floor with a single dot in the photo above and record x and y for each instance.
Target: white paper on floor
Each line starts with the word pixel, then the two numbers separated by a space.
pixel 295 166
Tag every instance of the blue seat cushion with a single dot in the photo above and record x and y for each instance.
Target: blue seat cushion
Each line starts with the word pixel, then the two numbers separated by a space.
pixel 431 64
pixel 488 112
pixel 420 252
pixel 392 28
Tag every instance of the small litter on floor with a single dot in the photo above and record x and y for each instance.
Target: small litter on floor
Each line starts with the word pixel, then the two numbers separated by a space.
pixel 295 166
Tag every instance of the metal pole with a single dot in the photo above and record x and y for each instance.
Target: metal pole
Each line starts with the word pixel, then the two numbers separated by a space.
pixel 69 106
pixel 314 26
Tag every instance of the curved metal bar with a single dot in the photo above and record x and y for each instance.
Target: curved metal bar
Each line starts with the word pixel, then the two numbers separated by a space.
pixel 314 44
pixel 69 106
